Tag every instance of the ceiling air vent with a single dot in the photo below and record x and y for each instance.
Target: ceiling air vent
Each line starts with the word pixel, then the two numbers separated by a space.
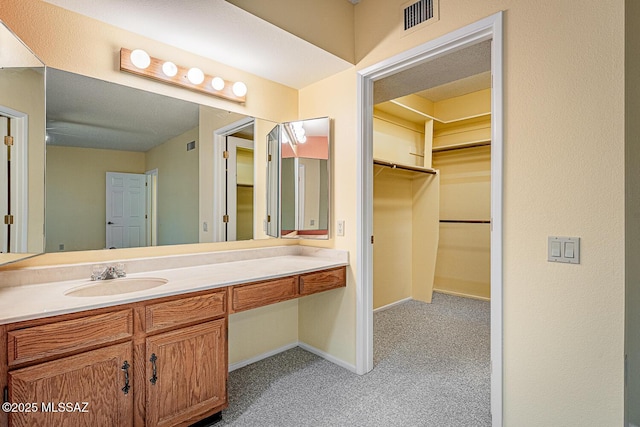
pixel 422 11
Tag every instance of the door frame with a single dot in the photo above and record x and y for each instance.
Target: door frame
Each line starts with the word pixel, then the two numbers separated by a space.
pixel 489 28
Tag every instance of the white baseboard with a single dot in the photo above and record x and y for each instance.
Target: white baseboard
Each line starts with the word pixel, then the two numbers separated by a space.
pixel 259 357
pixel 393 304
pixel 328 357
pixel 460 294
pixel 302 345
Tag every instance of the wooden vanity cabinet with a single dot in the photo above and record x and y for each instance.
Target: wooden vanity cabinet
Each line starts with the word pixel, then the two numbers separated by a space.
pixel 104 357
pixel 81 390
pixel 187 374
pixel 258 294
pixel 161 362
pixel 320 281
pixel 186 366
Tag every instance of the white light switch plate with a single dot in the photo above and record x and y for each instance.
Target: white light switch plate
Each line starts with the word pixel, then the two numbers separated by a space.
pixel 563 249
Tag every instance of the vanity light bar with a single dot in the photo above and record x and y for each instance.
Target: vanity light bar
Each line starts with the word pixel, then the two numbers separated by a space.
pixel 199 82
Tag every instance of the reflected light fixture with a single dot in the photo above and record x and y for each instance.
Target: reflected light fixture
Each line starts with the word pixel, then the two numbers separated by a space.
pixel 299 133
pixel 140 63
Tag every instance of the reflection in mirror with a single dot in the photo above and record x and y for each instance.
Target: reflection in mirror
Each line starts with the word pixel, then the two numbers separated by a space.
pixel 21 149
pixel 273 182
pixel 303 171
pixel 125 166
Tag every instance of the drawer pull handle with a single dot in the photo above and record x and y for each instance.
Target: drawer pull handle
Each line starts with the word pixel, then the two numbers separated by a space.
pixel 153 359
pixel 125 368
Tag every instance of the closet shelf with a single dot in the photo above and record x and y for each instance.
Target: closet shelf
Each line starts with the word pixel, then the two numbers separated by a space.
pixel 472 144
pixel 466 221
pixel 404 167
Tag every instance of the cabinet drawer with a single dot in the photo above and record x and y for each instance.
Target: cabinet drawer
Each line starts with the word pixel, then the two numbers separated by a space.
pixel 185 310
pixel 58 338
pixel 245 297
pixel 311 283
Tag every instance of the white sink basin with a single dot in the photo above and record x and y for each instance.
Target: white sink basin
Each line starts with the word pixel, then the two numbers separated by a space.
pixel 102 288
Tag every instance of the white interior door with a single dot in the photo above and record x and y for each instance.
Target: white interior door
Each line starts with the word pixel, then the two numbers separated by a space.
pixel 126 207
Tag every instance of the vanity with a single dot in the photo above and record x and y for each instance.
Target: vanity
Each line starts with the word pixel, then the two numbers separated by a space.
pixel 151 357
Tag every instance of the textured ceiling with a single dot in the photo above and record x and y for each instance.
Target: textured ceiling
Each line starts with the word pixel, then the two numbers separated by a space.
pixel 86 112
pixel 220 31
pixel 457 73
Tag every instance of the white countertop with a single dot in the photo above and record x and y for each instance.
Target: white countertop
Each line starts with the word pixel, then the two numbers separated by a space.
pixel 39 300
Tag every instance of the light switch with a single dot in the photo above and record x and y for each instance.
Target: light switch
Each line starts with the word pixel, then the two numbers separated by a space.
pixel 568 249
pixel 563 249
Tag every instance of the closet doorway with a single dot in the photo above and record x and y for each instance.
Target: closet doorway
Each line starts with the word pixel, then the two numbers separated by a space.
pixel 437 63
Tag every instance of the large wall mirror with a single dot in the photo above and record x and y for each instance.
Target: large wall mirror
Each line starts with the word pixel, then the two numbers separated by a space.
pixel 22 119
pixel 130 168
pixel 298 177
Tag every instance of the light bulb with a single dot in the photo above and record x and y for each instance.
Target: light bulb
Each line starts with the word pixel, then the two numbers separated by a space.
pixel 169 69
pixel 140 59
pixel 239 89
pixel 195 75
pixel 217 83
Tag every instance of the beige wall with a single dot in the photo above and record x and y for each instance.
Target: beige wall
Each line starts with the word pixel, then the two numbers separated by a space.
pixel 395 142
pixel 177 193
pixel 392 225
pixel 328 24
pixel 327 320
pixel 76 196
pixel 563 324
pixel 464 250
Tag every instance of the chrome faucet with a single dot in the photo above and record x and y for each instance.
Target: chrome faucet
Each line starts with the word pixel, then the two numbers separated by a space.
pixel 108 272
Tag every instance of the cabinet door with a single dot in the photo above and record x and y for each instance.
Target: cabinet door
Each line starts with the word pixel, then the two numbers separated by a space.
pixel 186 374
pixel 81 390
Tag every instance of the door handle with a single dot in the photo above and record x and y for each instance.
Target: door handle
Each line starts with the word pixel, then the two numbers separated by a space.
pixel 109 223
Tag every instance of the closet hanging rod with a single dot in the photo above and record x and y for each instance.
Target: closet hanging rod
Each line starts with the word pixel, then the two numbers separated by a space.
pixel 404 167
pixel 466 221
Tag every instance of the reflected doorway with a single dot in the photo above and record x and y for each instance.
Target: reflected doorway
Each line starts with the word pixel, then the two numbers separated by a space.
pixel 234 177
